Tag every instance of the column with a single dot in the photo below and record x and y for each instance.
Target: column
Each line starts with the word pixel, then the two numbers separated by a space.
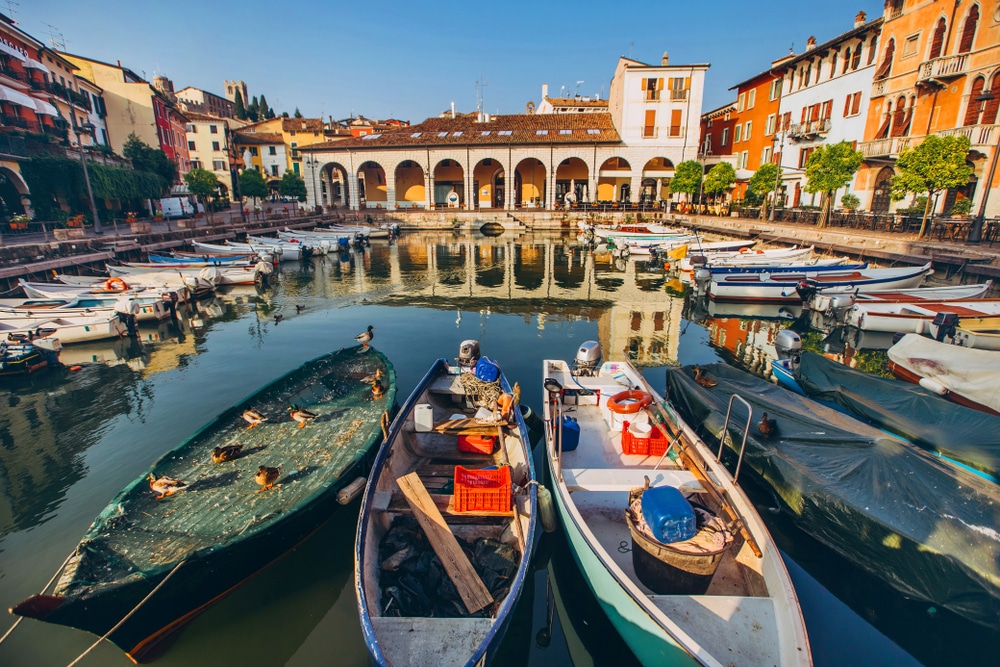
pixel 354 192
pixel 390 190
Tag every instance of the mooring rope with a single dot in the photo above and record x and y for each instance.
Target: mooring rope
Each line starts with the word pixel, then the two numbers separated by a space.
pixel 44 588
pixel 127 616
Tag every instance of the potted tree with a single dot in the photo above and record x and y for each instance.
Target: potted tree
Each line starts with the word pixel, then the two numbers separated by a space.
pixel 961 208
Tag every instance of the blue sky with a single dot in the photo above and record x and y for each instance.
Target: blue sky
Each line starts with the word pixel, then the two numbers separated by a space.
pixel 412 60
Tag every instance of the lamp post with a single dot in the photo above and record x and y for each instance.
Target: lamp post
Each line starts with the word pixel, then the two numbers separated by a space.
pixel 79 130
pixel 777 176
pixel 313 163
pixel 976 231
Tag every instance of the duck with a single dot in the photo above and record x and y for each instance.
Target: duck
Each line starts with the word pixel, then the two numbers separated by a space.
pixel 299 308
pixel 278 318
pixel 365 337
pixel 377 388
pixel 254 417
pixel 374 377
pixel 226 453
pixel 266 477
pixel 701 378
pixel 165 486
pixel 300 415
pixel 767 426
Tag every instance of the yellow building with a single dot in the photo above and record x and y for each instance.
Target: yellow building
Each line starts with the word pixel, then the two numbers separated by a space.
pixel 272 146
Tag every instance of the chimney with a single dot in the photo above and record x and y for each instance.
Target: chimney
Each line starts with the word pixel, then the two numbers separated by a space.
pixel 453 110
pixel 665 60
pixel 811 42
pixel 545 90
pixel 860 19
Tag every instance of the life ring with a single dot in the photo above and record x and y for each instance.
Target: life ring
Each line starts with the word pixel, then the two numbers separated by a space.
pixel 629 401
pixel 115 285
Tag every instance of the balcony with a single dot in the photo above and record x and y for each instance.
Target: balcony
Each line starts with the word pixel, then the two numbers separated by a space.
pixel 983 138
pixel 939 71
pixel 809 129
pixel 888 148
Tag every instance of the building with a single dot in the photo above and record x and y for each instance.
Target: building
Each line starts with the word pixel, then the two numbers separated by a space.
pixel 232 87
pixel 575 104
pixel 273 146
pixel 717 128
pixel 938 72
pixel 754 124
pixel 196 100
pixel 625 153
pixel 210 146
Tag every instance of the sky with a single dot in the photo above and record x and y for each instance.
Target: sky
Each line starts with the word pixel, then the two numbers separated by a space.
pixel 411 61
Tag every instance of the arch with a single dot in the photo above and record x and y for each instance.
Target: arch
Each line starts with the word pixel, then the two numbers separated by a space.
pixel 13 191
pixel 489 183
pixel 530 183
pixel 572 177
pixel 411 189
pixel 449 184
pixel 334 185
pixel 656 176
pixel 937 40
pixel 975 107
pixel 990 112
pixel 615 172
pixel 969 30
pixel 372 189
pixel 883 186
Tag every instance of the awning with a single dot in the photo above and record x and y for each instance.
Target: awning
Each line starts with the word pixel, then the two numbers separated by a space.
pixel 743 174
pixel 34 64
pixel 44 107
pixel 16 97
pixel 6 47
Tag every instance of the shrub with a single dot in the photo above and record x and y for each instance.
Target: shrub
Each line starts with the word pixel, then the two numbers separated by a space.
pixel 850 201
pixel 961 207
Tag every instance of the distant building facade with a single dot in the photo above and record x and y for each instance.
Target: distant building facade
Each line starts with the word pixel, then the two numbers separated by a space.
pixel 195 100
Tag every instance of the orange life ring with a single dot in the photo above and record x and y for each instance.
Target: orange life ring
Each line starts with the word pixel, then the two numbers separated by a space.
pixel 115 285
pixel 627 402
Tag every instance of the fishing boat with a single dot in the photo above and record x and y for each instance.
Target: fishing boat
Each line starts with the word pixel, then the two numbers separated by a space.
pixel 191 529
pixel 237 260
pixel 917 316
pixel 780 287
pixel 925 527
pixel 150 308
pixel 23 353
pixel 962 375
pixel 967 329
pixel 729 258
pixel 452 495
pixel 720 594
pixel 68 329
pixel 215 275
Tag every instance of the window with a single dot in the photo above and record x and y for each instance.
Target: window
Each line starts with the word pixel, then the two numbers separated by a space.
pixel 593 131
pixel 827 107
pixel 808 74
pixel 744 159
pixel 872 49
pixel 852 104
pixel 213 129
pixel 724 139
pixel 541 132
pixel 253 151
pixel 191 128
pixel 457 134
pixel 484 133
pixel 291 133
pixel 765 155
pixel 416 134
pixel 737 133
pixel 775 89
pixel 679 88
pixel 968 31
pixel 740 102
pixel 195 164
pixel 649 129
pixel 218 165
pixel 191 146
pixel 937 40
pixel 833 64
pixel 274 170
pixel 769 126
pixel 442 134
pixel 856 60
pixel 651 88
pixel 847 60
pixel 272 150
pixel 746 132
pixel 505 133
pixel 910 45
pixel 295 152
pixel 565 131
pixel 215 146
pixel 675 122
pixel 295 167
pixel 751 98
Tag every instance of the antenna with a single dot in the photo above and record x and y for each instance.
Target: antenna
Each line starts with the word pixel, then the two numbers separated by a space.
pixel 578 87
pixel 56 38
pixel 10 9
pixel 631 44
pixel 480 84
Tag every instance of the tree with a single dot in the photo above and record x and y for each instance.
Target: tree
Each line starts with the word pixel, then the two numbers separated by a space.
pixel 687 178
pixel 298 114
pixel 265 112
pixel 292 185
pixel 153 160
pixel 203 184
pixel 828 169
pixel 764 180
pixel 239 110
pixel 719 179
pixel 937 164
pixel 252 184
pixel 253 111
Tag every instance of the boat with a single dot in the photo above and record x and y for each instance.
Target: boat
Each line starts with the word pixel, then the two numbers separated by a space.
pixel 729 258
pixel 285 252
pixel 24 353
pixel 958 434
pixel 963 375
pixel 238 260
pixel 148 566
pixel 966 330
pixel 723 596
pixel 166 281
pixel 150 308
pixel 916 316
pixel 925 527
pixel 444 475
pixel 817 265
pixel 647 231
pixel 780 287
pixel 68 329
pixel 215 275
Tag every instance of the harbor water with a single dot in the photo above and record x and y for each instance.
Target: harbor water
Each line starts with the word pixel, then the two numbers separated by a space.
pixel 70 440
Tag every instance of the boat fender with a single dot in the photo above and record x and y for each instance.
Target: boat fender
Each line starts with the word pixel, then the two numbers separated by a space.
pixel 628 402
pixel 351 491
pixel 546 511
pixel 76 368
pixel 933 385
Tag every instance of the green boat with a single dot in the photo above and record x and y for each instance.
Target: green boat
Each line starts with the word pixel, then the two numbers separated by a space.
pixel 153 560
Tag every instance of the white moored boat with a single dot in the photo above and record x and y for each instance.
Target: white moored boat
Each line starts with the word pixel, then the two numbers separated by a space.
pixel 781 287
pixel 673 550
pixel 914 316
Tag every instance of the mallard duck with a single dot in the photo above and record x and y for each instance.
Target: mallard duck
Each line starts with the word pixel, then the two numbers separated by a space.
pixel 365 337
pixel 374 377
pixel 767 427
pixel 299 308
pixel 701 378
pixel 226 453
pixel 278 318
pixel 165 486
pixel 300 415
pixel 377 389
pixel 266 477
pixel 254 417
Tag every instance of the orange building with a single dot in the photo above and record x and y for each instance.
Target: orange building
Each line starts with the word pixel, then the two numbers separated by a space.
pixel 937 74
pixel 757 101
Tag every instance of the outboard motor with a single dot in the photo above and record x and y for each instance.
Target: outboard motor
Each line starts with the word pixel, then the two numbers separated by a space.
pixel 946 324
pixel 702 280
pixel 788 344
pixel 807 290
pixel 588 358
pixel 468 354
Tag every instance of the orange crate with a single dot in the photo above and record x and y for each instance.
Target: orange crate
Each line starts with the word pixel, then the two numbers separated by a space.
pixel 654 445
pixel 482 490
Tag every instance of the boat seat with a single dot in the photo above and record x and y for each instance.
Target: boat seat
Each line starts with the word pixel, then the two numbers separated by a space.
pixel 619 479
pixel 447 384
pixel 429 641
pixel 387 501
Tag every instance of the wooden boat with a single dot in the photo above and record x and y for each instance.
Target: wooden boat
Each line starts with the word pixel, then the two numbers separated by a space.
pixel 963 375
pixel 668 615
pixel 285 252
pixel 915 316
pixel 146 567
pixel 22 354
pixel 150 308
pixel 718 258
pixel 643 231
pixel 68 329
pixel 413 475
pixel 780 287
pixel 167 280
pixel 239 260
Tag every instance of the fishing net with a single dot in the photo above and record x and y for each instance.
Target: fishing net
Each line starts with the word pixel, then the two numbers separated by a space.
pixel 481 393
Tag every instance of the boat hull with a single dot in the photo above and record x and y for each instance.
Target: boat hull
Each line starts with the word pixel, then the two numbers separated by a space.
pixel 780 288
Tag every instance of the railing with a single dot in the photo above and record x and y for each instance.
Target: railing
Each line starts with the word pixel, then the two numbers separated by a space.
pixel 13 146
pixel 884 147
pixel 980 136
pixel 809 128
pixel 943 68
pixel 678 94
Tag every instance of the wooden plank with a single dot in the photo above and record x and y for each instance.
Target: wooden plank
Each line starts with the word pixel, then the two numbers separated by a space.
pixel 470 587
pixel 444 503
pixel 466 426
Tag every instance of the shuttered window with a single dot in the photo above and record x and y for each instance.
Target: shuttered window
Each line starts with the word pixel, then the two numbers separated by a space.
pixel 675 122
pixel 649 129
pixel 972 111
pixel 937 40
pixel 886 66
pixel 969 31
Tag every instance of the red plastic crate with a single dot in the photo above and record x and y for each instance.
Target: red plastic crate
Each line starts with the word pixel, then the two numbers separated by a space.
pixel 476 444
pixel 482 490
pixel 654 445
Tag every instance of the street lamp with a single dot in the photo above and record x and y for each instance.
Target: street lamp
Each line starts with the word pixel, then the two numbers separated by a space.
pixel 87 128
pixel 777 176
pixel 313 163
pixel 976 231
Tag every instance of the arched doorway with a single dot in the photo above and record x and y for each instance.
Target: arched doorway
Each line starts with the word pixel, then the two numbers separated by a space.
pixel 656 176
pixel 11 190
pixel 488 184
pixel 372 190
pixel 614 179
pixel 530 184
pixel 572 182
pixel 334 186
pixel 449 184
pixel 410 189
pixel 880 196
pixel 273 186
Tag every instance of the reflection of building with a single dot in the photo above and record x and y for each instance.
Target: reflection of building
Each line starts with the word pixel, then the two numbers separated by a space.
pixel 750 343
pixel 626 153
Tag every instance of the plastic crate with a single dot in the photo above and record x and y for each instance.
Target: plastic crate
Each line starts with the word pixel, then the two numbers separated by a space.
pixel 476 444
pixel 482 490
pixel 655 445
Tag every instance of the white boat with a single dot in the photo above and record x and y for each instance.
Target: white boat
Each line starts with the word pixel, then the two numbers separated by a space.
pixel 722 597
pixel 780 287
pixel 216 275
pixel 914 316
pixel 633 230
pixel 285 252
pixel 219 250
pixel 68 329
pixel 149 309
pixel 731 258
pixel 69 290
pixel 312 246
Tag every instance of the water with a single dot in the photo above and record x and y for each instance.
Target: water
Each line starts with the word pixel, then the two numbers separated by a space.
pixel 70 440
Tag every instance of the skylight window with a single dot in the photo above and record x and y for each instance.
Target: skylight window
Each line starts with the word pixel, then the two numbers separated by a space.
pixel 416 134
pixel 456 134
pixel 371 136
pixel 565 131
pixel 541 132
pixel 593 131
pixel 485 133
pixel 505 133
pixel 442 134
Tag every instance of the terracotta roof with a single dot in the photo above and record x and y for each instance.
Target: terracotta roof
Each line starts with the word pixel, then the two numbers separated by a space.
pixel 575 102
pixel 564 128
pixel 195 115
pixel 311 124
pixel 721 111
pixel 259 138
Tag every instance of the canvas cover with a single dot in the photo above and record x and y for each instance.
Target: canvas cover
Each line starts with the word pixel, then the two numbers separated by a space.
pixel 921 416
pixel 966 371
pixel 926 527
